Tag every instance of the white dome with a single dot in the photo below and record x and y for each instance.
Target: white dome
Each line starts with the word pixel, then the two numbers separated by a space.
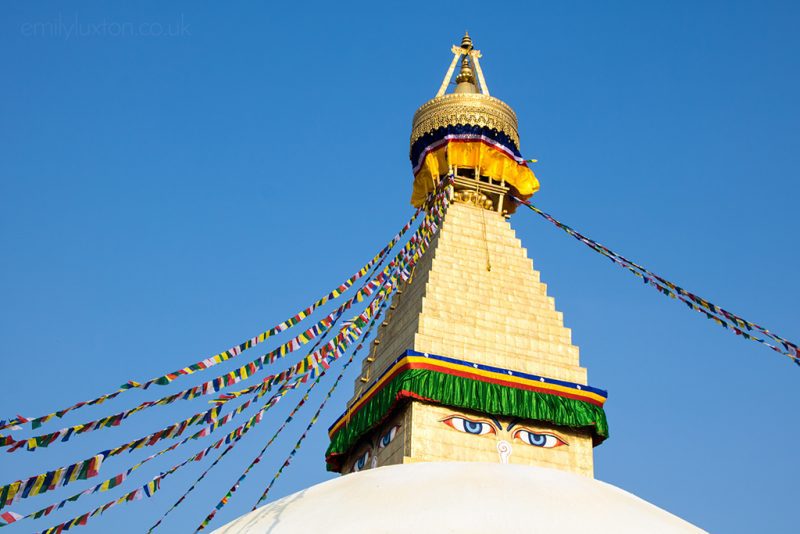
pixel 459 497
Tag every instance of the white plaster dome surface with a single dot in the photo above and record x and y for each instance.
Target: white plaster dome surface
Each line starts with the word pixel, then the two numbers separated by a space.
pixel 459 497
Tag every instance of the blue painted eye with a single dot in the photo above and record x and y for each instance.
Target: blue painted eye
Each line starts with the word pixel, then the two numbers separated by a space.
pixel 473 427
pixel 469 426
pixel 543 440
pixel 388 437
pixel 361 462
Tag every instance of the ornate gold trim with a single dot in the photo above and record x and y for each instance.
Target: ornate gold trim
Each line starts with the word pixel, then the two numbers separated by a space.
pixel 475 198
pixel 464 108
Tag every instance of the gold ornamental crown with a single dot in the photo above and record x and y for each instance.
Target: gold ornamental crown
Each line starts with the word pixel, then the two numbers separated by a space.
pixel 468 104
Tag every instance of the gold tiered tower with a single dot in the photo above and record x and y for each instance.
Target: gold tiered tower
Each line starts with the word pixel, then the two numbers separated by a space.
pixel 487 371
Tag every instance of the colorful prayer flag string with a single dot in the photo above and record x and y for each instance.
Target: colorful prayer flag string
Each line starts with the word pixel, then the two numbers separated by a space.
pixel 90 467
pixel 206 388
pixel 314 418
pixel 6 518
pixel 231 446
pixel 232 352
pixel 719 315
pixel 401 266
pixel 231 437
pixel 310 424
pixel 215 385
pixel 145 491
pixel 118 479
pixel 434 217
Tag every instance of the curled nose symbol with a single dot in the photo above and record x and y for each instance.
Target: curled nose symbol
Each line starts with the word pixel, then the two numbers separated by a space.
pixel 504 450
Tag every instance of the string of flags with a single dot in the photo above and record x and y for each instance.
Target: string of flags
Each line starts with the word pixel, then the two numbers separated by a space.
pixel 223 356
pixel 206 388
pixel 280 429
pixel 237 434
pixel 90 467
pixel 435 214
pixel 230 447
pixel 313 420
pixel 232 437
pixel 379 303
pixel 138 494
pixel 310 367
pixel 215 385
pixel 721 316
pixel 415 249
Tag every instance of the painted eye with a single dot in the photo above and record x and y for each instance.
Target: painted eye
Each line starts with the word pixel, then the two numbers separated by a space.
pixel 361 462
pixel 469 426
pixel 546 441
pixel 388 437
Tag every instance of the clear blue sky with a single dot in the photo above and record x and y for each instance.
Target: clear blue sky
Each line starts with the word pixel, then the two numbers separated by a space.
pixel 165 196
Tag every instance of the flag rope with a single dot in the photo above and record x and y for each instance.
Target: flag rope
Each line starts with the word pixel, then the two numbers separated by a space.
pixel 86 469
pixel 719 315
pixel 90 467
pixel 260 455
pixel 232 437
pixel 209 387
pixel 401 266
pixel 232 352
pixel 435 216
pixel 232 445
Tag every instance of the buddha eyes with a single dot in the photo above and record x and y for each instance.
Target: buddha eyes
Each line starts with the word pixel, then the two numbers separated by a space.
pixel 387 437
pixel 369 458
pixel 470 426
pixel 478 427
pixel 544 440
pixel 361 462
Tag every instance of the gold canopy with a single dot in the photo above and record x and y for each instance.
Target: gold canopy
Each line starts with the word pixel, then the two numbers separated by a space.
pixel 464 108
pixel 468 103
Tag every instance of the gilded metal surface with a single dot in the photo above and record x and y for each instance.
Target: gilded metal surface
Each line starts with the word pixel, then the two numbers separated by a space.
pixel 481 79
pixel 449 74
pixel 472 52
pixel 475 198
pixel 478 109
pixel 466 42
pixel 465 75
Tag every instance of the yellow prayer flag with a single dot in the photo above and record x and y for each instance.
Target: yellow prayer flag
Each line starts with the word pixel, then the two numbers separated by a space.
pixel 37 485
pixel 12 491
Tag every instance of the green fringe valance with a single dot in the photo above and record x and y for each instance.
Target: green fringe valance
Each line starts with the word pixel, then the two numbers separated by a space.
pixel 468 394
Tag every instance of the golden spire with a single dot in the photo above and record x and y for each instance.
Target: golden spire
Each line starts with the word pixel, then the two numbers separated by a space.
pixel 470 67
pixel 466 42
pixel 469 103
pixel 465 78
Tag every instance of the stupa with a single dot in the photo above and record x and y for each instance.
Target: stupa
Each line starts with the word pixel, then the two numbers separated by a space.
pixel 473 362
pixel 472 411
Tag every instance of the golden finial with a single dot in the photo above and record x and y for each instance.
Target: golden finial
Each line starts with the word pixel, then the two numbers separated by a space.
pixel 466 42
pixel 465 74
